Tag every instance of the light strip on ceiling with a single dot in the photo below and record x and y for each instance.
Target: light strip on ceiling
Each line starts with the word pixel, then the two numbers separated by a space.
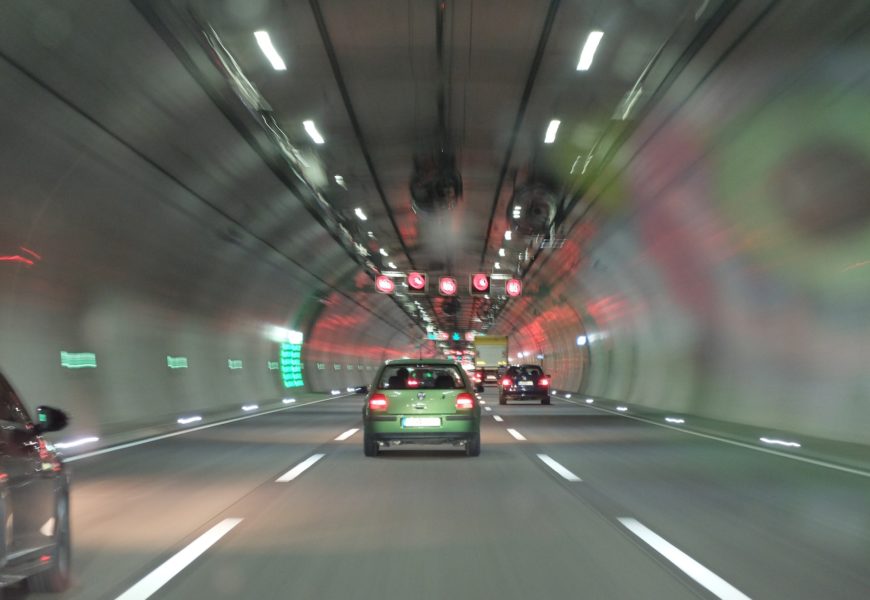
pixel 552 128
pixel 311 129
pixel 589 48
pixel 359 213
pixel 265 43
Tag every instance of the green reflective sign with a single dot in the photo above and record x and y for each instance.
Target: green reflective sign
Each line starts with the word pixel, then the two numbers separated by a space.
pixel 234 364
pixel 78 360
pixel 176 362
pixel 291 365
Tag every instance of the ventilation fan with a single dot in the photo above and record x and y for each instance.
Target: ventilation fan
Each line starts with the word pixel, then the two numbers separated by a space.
pixel 436 184
pixel 532 209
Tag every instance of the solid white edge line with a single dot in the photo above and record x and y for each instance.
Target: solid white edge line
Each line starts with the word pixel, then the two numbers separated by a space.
pixel 558 468
pixel 164 436
pixel 298 469
pixel 346 434
pixel 160 576
pixel 497 418
pixel 811 461
pixel 685 563
pixel 517 434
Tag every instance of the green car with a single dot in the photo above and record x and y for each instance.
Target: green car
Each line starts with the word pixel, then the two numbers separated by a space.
pixel 427 401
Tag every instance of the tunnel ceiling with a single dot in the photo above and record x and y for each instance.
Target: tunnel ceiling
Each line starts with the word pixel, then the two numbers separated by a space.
pixel 389 82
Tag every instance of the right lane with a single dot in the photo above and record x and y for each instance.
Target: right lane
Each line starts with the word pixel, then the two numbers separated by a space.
pixel 770 526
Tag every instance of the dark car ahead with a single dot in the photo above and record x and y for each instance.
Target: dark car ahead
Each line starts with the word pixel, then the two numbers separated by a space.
pixel 524 382
pixel 34 498
pixel 427 401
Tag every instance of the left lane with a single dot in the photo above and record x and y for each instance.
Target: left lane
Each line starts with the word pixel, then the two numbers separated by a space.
pixel 133 507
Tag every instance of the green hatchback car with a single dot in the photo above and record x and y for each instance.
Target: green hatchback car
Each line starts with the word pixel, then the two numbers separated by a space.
pixel 426 401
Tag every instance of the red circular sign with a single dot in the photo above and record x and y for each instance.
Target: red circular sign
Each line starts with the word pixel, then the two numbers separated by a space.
pixel 480 281
pixel 384 284
pixel 416 281
pixel 447 285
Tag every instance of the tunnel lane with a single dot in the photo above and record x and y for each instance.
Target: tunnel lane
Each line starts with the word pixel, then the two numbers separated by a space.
pixel 428 522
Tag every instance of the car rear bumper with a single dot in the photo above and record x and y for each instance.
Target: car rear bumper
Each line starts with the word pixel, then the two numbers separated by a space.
pixel 526 395
pixel 453 428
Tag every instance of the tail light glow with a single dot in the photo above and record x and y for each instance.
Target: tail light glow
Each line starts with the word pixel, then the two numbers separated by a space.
pixel 505 382
pixel 378 402
pixel 544 381
pixel 413 383
pixel 464 401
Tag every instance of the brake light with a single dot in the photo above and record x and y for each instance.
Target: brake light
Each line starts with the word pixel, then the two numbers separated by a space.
pixel 477 378
pixel 505 382
pixel 464 401
pixel 543 381
pixel 413 383
pixel 378 402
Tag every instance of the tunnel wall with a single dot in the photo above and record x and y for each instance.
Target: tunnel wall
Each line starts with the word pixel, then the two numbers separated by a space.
pixel 138 225
pixel 724 261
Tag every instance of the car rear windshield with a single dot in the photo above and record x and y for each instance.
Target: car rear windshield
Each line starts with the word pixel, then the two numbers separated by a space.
pixel 426 377
pixel 533 371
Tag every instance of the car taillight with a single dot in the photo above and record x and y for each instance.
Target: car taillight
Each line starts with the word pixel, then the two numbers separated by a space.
pixel 543 381
pixel 505 382
pixel 464 401
pixel 413 383
pixel 476 378
pixel 378 402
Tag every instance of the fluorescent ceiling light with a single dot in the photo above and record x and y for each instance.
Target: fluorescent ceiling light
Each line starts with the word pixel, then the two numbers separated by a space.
pixel 589 48
pixel 507 235
pixel 501 252
pixel 340 181
pixel 497 265
pixel 359 213
pixel 392 265
pixel 550 136
pixel 311 128
pixel 383 252
pixel 268 49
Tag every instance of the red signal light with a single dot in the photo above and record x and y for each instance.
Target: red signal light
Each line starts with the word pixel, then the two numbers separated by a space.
pixel 513 287
pixel 384 284
pixel 417 282
pixel 479 284
pixel 447 286
pixel 464 401
pixel 378 402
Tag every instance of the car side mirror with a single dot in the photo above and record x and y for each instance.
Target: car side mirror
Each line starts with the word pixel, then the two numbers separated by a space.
pixel 363 389
pixel 479 388
pixel 50 419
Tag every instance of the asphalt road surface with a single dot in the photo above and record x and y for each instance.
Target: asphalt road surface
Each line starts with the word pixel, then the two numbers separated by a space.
pixel 564 502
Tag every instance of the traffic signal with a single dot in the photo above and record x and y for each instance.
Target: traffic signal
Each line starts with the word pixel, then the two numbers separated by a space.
pixel 513 287
pixel 418 283
pixel 479 284
pixel 447 286
pixel 384 284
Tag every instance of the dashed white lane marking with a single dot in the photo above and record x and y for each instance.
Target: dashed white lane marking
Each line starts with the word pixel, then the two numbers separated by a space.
pixel 483 401
pixel 558 468
pixel 516 434
pixel 487 408
pixel 497 418
pixel 346 435
pixel 298 469
pixel 160 576
pixel 688 565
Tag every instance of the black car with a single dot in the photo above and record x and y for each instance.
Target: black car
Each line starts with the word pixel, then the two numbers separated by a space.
pixel 34 498
pixel 524 382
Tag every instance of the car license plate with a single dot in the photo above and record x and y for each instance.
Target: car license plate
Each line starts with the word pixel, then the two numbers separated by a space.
pixel 490 377
pixel 421 422
pixel 527 383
